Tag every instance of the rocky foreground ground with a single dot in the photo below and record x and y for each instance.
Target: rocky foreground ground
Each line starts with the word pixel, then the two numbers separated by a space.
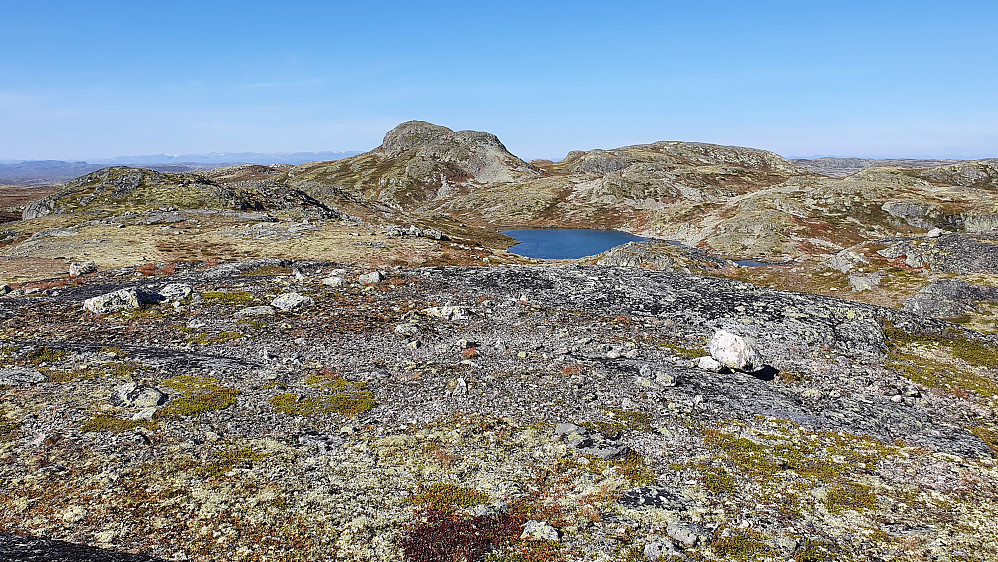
pixel 277 410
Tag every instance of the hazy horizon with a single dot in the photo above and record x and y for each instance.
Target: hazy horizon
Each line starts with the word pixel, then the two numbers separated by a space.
pixel 851 79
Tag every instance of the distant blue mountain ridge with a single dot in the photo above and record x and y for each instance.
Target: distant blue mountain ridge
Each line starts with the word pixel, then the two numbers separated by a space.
pixel 42 172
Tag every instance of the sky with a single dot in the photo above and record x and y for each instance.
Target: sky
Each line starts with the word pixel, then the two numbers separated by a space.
pixel 84 80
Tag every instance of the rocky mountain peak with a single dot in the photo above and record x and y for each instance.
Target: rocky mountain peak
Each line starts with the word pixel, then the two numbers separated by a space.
pixel 480 154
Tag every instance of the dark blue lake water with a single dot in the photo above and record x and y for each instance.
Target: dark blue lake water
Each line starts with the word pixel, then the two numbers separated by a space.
pixel 566 244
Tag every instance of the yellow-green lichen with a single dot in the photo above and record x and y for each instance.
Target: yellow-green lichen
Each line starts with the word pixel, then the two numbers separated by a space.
pixel 232 298
pixel 201 394
pixel 104 422
pixel 443 496
pixel 223 461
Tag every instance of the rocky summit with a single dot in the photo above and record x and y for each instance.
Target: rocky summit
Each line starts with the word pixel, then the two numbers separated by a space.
pixel 343 361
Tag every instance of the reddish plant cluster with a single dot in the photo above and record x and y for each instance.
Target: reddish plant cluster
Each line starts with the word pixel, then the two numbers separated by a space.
pixel 445 537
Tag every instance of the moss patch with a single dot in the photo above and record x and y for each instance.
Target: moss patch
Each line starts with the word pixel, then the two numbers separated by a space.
pixel 104 422
pixel 201 394
pixel 444 497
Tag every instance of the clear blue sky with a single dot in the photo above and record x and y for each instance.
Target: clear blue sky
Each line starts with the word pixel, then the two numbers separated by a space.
pixel 92 79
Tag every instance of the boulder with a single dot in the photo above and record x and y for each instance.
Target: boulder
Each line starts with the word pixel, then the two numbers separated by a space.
pixel 292 301
pixel 864 281
pixel 133 395
pixel 733 351
pixel 371 277
pixel 255 311
pixel 77 269
pixel 334 281
pixel 16 376
pixel 176 291
pixel 662 549
pixel 122 299
pixel 688 534
pixel 539 531
pixel 949 298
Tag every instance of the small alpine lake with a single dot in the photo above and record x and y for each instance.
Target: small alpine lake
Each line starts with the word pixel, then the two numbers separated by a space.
pixel 566 243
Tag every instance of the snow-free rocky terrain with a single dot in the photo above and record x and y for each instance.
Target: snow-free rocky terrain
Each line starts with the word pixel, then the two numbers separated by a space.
pixel 342 361
pixel 277 410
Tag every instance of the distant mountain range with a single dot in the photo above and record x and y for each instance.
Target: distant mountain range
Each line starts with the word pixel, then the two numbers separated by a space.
pixel 43 172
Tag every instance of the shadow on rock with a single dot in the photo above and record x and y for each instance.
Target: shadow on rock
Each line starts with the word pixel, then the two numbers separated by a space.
pixel 26 548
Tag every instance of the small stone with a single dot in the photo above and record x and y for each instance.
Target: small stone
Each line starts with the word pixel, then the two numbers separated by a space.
pixel 688 534
pixel 255 311
pixel 5 289
pixel 733 351
pixel 662 549
pixel 615 353
pixel 495 509
pixel 334 281
pixel 82 268
pixel 539 531
pixel 448 312
pixel 291 301
pixel 371 277
pixel 407 330
pixel 935 233
pixel 708 363
pixel 132 395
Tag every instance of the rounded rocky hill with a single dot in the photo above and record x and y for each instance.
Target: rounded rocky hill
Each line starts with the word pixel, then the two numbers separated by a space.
pixel 118 189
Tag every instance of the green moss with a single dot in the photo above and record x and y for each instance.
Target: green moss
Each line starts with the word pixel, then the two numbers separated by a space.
pixel 117 369
pixel 952 376
pixel 45 354
pixel 255 324
pixel 989 436
pixel 201 394
pixel 678 347
pixel 816 551
pixel 624 420
pixel 222 337
pixel 222 462
pixel 446 497
pixel 294 404
pixel 9 429
pixel 104 422
pixel 850 495
pixel 717 480
pixel 742 546
pixel 631 466
pixel 229 298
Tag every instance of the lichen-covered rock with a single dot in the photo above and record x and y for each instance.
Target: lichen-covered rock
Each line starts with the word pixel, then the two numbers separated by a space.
pixel 292 301
pixel 949 298
pixel 82 268
pixel 176 291
pixel 122 299
pixel 733 351
pixel 539 531
pixel 133 395
pixel 371 277
pixel 263 310
pixel 16 376
pixel 864 281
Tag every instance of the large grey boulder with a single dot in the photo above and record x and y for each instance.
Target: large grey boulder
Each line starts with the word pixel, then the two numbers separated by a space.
pixel 133 395
pixel 733 351
pixel 291 301
pixel 16 376
pixel 122 299
pixel 949 298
